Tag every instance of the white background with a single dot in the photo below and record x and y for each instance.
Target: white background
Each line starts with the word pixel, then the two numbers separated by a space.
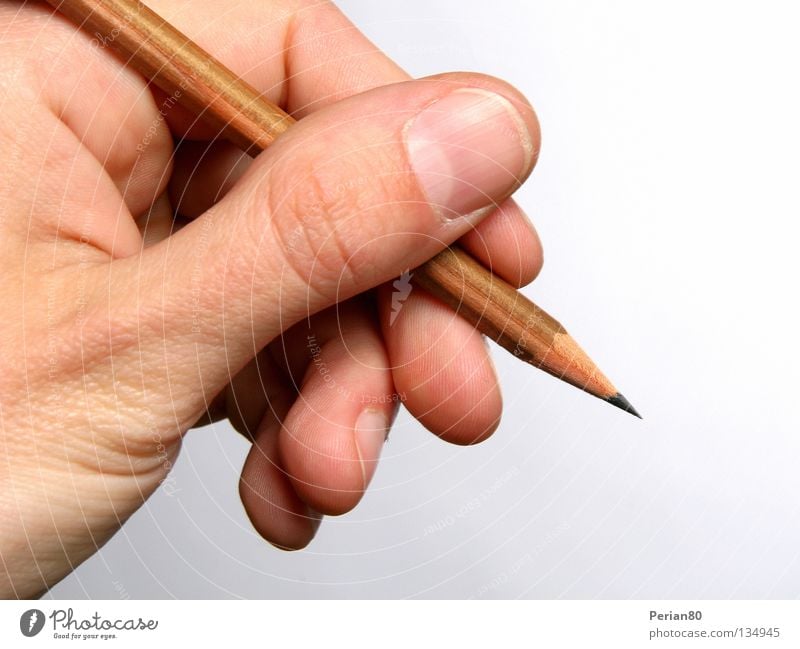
pixel 667 199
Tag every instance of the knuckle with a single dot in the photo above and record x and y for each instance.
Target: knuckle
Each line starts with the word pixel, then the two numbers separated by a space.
pixel 316 223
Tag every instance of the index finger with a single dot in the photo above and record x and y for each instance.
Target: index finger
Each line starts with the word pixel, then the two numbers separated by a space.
pixel 301 54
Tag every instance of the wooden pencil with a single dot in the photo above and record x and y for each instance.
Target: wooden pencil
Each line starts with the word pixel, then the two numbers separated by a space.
pixel 178 66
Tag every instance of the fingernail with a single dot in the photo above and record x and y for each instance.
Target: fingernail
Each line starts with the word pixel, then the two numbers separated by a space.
pixel 468 150
pixel 371 428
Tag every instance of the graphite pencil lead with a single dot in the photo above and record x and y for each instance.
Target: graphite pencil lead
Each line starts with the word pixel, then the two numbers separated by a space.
pixel 621 402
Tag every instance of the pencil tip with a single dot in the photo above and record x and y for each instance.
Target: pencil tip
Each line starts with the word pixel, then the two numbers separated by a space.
pixel 621 402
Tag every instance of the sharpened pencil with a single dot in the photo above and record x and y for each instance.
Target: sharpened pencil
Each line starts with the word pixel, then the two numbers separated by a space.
pixel 173 62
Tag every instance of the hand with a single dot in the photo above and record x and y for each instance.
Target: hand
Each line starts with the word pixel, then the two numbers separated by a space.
pixel 149 287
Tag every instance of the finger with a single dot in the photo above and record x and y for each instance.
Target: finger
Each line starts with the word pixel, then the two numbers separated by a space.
pixel 345 200
pixel 303 55
pixel 259 397
pixel 257 401
pixel 269 499
pixel 439 363
pixel 334 432
pixel 507 243
pixel 276 373
pixel 441 366
pixel 107 112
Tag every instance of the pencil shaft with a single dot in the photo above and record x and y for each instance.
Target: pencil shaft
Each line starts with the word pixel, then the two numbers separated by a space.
pixel 182 69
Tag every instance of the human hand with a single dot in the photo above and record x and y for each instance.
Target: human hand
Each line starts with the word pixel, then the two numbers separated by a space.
pixel 154 286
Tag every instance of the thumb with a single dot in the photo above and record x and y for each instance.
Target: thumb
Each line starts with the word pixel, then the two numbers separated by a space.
pixel 348 198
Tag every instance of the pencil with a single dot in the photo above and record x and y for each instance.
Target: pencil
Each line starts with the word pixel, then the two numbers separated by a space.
pixel 178 66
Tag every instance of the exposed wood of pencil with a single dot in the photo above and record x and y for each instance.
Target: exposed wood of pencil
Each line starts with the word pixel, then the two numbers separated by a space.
pixel 200 82
pixel 506 316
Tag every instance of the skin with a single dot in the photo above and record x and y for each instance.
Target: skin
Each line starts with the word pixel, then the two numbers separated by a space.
pixel 150 289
